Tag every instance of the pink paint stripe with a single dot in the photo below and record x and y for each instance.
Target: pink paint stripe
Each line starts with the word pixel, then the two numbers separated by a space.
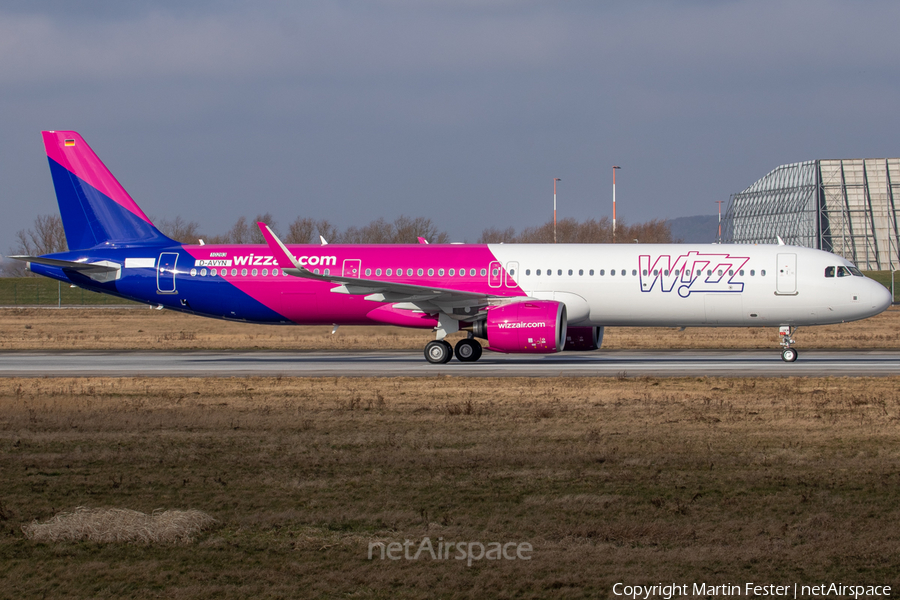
pixel 80 160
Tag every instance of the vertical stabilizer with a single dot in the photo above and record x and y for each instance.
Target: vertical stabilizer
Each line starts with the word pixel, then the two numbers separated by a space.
pixel 95 208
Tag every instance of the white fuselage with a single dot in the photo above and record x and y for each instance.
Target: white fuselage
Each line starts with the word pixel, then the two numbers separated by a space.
pixel 687 285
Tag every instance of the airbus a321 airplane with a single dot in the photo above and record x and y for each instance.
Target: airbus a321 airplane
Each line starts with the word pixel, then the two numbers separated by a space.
pixel 521 298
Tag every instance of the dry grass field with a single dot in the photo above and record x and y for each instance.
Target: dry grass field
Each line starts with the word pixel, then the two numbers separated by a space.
pixel 610 480
pixel 143 328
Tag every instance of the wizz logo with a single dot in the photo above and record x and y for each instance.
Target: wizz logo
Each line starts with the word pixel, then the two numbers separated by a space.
pixel 692 272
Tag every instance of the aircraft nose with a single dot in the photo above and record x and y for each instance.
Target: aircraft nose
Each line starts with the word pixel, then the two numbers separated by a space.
pixel 881 297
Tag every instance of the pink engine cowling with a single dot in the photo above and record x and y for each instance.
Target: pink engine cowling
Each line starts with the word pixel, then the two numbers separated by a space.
pixel 583 338
pixel 534 327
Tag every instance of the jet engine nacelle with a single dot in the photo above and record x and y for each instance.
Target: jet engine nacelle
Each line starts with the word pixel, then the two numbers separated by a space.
pixel 583 338
pixel 533 327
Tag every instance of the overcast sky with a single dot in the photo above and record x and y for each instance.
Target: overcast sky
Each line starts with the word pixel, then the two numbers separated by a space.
pixel 459 110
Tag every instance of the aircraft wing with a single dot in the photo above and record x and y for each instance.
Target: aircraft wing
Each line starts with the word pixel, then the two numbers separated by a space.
pixel 102 271
pixel 428 298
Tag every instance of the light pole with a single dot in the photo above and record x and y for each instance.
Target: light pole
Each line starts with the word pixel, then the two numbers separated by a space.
pixel 614 202
pixel 719 237
pixel 555 179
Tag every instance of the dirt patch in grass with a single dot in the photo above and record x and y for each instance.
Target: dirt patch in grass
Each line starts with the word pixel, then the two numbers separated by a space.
pixel 139 329
pixel 120 525
pixel 638 480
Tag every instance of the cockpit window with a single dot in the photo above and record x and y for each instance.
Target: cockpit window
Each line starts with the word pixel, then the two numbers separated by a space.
pixel 844 272
pixel 829 271
pixel 856 272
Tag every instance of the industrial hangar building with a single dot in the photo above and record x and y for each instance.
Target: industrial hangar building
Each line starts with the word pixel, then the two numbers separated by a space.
pixel 845 206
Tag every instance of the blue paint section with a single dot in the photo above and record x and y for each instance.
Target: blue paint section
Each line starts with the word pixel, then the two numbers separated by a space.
pixel 92 218
pixel 209 297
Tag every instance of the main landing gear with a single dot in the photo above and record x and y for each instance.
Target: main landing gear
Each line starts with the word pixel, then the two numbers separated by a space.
pixel 439 352
pixel 468 350
pixel 786 333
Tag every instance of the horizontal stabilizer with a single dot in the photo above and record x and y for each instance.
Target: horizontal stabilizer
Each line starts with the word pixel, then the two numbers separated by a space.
pixel 102 271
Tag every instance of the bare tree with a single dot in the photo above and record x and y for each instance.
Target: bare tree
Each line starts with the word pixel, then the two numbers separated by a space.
pixel 492 235
pixel 325 229
pixel 408 231
pixel 186 232
pixel 45 237
pixel 592 231
pixel 404 230
pixel 656 231
pixel 301 231
pixel 256 236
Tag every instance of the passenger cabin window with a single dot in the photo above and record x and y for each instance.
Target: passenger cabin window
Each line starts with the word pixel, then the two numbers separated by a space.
pixel 538 272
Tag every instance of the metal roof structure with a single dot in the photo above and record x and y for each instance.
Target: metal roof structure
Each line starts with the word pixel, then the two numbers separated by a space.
pixel 845 206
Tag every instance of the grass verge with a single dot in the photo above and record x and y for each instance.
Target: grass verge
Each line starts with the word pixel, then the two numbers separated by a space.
pixel 636 480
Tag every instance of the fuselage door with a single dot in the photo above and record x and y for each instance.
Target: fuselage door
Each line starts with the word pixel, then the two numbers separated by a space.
pixel 165 272
pixel 512 271
pixel 495 275
pixel 352 268
pixel 786 274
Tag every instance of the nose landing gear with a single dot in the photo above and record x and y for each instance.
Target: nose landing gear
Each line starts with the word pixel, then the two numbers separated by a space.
pixel 786 332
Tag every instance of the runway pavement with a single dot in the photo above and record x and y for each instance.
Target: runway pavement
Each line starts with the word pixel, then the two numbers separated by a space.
pixel 602 363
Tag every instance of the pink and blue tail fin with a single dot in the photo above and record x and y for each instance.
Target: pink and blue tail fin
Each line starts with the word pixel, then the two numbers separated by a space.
pixel 95 208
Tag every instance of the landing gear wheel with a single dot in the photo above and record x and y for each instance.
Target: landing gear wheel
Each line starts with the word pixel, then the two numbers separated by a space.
pixel 788 355
pixel 468 350
pixel 438 352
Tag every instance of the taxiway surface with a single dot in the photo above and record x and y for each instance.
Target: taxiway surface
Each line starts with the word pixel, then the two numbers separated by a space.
pixel 603 363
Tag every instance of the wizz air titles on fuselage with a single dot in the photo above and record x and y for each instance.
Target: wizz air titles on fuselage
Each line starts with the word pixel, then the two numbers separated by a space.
pixel 692 272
